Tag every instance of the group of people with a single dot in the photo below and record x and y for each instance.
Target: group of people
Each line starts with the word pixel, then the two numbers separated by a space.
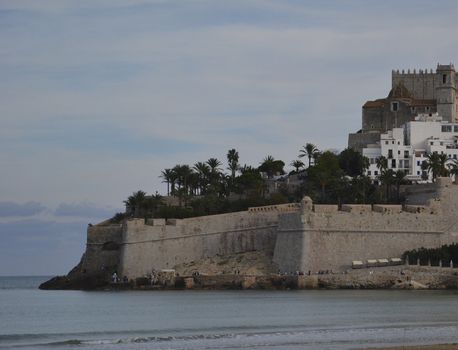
pixel 116 279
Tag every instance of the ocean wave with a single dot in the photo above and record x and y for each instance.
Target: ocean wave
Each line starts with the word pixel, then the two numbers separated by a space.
pixel 238 339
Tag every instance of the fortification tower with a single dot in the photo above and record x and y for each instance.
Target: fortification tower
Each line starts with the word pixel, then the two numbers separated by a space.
pixel 446 92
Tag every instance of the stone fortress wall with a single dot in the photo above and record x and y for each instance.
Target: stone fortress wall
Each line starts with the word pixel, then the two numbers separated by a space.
pixel 297 237
pixel 136 247
pixel 326 238
pixel 421 84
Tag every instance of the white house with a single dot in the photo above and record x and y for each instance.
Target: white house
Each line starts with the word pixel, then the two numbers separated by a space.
pixel 406 147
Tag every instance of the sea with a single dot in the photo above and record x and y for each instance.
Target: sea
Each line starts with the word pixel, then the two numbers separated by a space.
pixel 285 320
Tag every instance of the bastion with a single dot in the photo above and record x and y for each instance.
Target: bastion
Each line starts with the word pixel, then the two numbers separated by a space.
pixel 296 237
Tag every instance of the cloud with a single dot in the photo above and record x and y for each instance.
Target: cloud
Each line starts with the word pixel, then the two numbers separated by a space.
pixel 40 247
pixel 21 209
pixel 85 210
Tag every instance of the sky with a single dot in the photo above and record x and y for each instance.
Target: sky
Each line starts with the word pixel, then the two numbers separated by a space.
pixel 97 97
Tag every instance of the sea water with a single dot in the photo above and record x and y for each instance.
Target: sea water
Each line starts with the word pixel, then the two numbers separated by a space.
pixel 315 319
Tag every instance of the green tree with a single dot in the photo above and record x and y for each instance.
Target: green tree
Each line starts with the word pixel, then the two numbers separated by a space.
pixel 297 164
pixel 352 162
pixel 325 172
pixel 233 162
pixel 167 175
pixel 203 173
pixel 435 163
pixel 386 178
pixel 270 166
pixel 134 203
pixel 309 150
pixel 183 173
pixel 381 163
pixel 398 179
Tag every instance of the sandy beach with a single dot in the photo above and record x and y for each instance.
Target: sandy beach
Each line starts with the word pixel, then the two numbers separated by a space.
pixel 421 347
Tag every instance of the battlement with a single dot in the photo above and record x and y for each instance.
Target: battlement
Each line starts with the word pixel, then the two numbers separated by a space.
pixel 408 72
pixel 278 208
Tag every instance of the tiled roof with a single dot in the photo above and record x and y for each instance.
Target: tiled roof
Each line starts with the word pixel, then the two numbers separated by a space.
pixel 375 104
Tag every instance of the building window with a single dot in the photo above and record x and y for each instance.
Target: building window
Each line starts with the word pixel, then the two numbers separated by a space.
pixel 392 142
pixel 454 156
pixel 444 78
pixel 418 173
pixel 390 153
pixel 393 163
pixel 399 152
pixel 375 172
pixel 431 143
pixel 394 106
pixel 418 163
pixel 386 142
pixel 406 154
pixel 368 172
pixel 455 127
pixel 446 128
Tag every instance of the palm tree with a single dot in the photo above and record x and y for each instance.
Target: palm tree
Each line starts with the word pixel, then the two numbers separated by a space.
pixel 453 168
pixel 267 166
pixel 183 173
pixel 167 175
pixel 297 164
pixel 398 179
pixel 381 163
pixel 309 150
pixel 435 164
pixel 233 162
pixel 215 174
pixel 214 165
pixel 443 158
pixel 134 203
pixel 203 172
pixel 386 178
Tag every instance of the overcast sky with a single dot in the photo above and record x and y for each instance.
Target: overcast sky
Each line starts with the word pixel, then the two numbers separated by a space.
pixel 97 97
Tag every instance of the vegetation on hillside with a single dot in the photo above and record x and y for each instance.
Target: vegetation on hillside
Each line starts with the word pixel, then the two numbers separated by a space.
pixel 213 187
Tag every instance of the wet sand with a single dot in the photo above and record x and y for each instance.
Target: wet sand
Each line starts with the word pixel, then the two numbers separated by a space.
pixel 421 347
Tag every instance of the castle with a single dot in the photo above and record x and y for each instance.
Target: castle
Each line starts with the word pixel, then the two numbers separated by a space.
pixel 296 237
pixel 303 236
pixel 412 93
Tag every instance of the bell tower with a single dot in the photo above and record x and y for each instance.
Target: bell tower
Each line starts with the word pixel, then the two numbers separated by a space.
pixel 446 92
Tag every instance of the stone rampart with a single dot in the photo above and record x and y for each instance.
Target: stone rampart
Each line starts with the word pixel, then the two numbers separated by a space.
pixel 298 237
pixel 162 246
pixel 103 247
pixel 330 240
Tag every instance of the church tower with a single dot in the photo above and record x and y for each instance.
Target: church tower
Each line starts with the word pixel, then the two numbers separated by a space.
pixel 446 92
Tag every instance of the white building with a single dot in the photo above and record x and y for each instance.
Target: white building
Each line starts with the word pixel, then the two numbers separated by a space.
pixel 406 147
